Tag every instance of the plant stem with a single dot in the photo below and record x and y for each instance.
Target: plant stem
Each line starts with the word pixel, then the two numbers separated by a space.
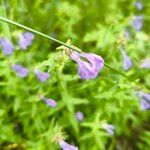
pixel 51 38
pixel 36 32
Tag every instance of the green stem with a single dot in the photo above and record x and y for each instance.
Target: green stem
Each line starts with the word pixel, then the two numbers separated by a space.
pixel 51 38
pixel 116 71
pixel 36 32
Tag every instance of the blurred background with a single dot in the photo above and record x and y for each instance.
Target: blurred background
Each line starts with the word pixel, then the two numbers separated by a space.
pixel 96 26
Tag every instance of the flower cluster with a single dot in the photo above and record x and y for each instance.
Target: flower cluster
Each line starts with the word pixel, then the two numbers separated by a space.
pixel 25 40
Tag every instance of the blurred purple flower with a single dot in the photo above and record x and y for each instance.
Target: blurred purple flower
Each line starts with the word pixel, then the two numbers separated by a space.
pixel 42 76
pixel 144 100
pixel 137 22
pixel 50 102
pixel 7 46
pixel 139 5
pixel 127 63
pixel 25 40
pixel 109 128
pixel 89 65
pixel 20 70
pixel 65 146
pixel 145 63
pixel 126 34
pixel 79 115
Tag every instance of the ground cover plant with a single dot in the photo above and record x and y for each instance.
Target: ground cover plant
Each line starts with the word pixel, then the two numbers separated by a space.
pixel 74 74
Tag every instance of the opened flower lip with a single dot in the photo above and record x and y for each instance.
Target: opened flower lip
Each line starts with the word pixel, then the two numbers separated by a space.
pixel 90 66
pixel 127 63
pixel 7 46
pixel 25 40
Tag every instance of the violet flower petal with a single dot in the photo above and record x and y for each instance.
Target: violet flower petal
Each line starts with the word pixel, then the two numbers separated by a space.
pixel 145 63
pixel 42 76
pixel 126 34
pixel 50 102
pixel 139 5
pixel 79 115
pixel 144 100
pixel 109 128
pixel 96 61
pixel 127 63
pixel 20 70
pixel 25 40
pixel 137 22
pixel 144 105
pixel 7 46
pixel 87 69
pixel 65 146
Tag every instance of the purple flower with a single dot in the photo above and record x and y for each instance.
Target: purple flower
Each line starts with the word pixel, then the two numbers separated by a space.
pixel 144 100
pixel 137 22
pixel 127 63
pixel 65 146
pixel 20 70
pixel 7 46
pixel 79 116
pixel 42 76
pixel 145 63
pixel 89 65
pixel 139 5
pixel 126 34
pixel 50 102
pixel 109 128
pixel 25 40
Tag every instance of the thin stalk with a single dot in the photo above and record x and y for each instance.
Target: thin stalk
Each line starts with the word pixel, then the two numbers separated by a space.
pixel 36 32
pixel 51 38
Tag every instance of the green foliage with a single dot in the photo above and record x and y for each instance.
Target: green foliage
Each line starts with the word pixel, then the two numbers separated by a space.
pixel 95 26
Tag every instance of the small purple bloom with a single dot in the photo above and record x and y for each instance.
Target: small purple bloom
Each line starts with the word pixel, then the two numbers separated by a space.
pixel 139 5
pixel 144 100
pixel 79 116
pixel 65 146
pixel 127 63
pixel 137 22
pixel 126 34
pixel 89 65
pixel 20 70
pixel 7 46
pixel 50 102
pixel 42 76
pixel 109 128
pixel 145 63
pixel 25 40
